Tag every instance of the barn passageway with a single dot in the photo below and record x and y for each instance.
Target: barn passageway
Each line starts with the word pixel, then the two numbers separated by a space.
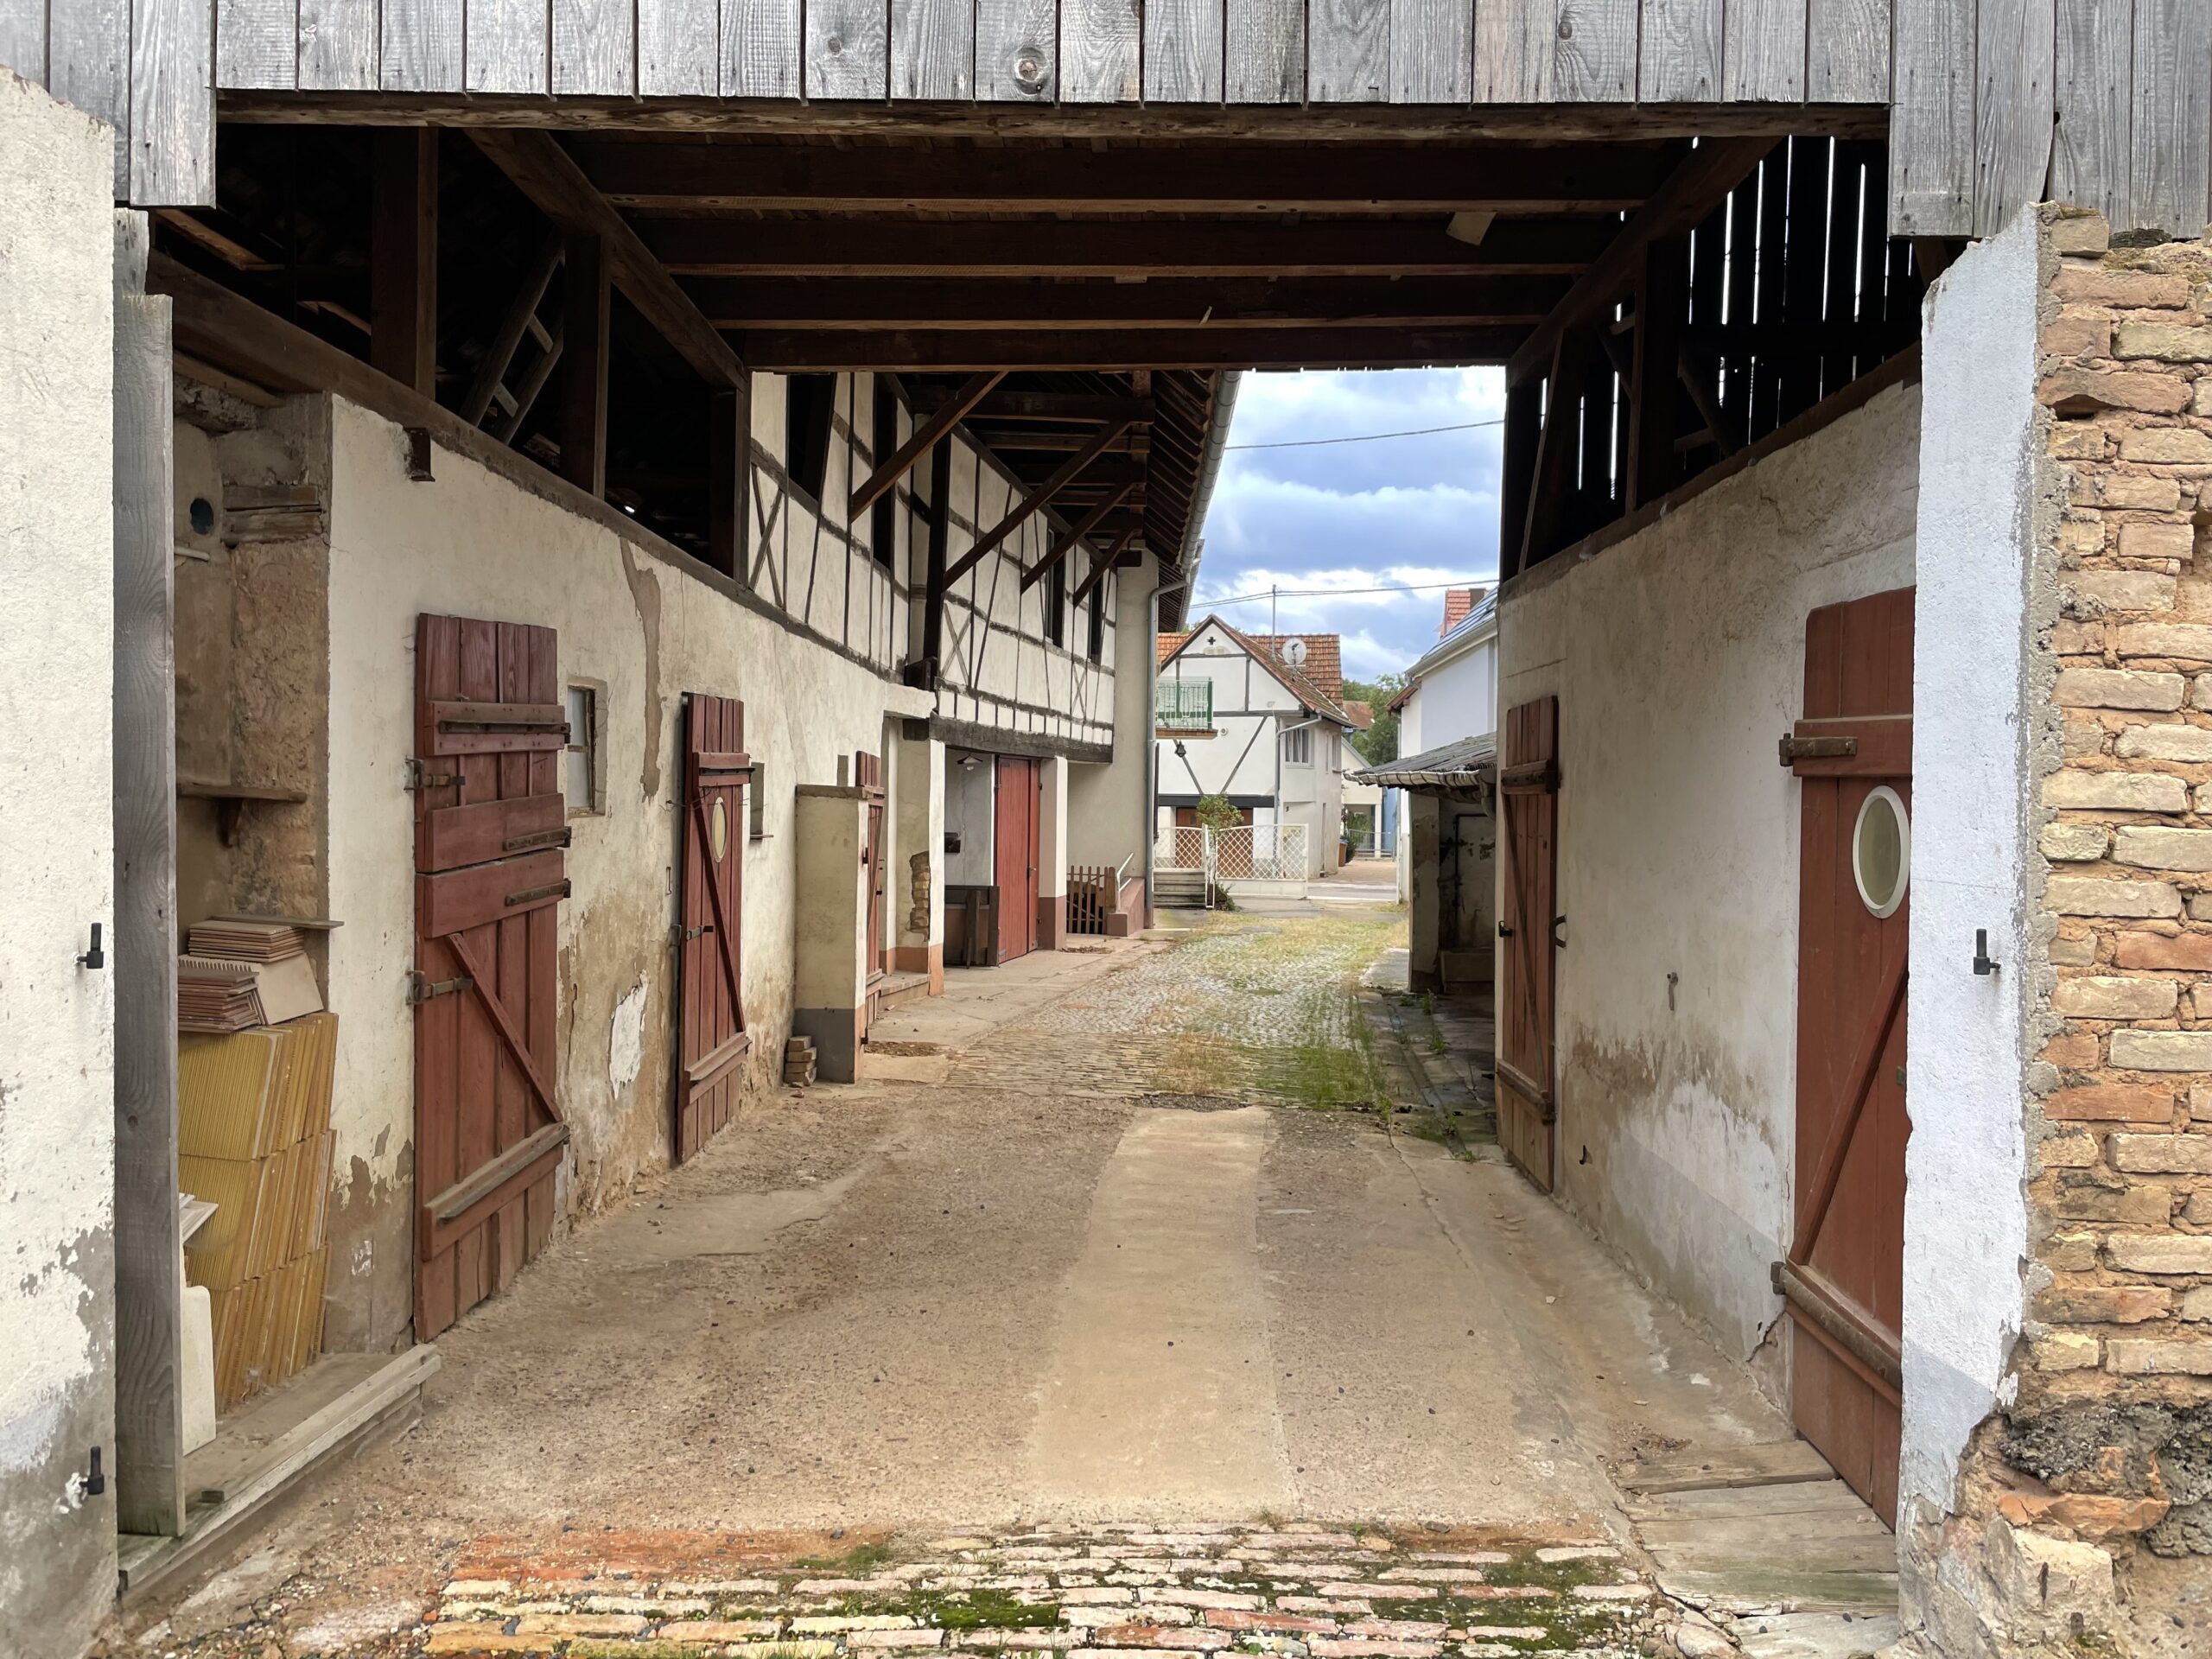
pixel 1113 1237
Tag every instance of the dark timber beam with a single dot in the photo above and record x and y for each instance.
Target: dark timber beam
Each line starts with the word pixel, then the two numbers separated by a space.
pixel 933 585
pixel 586 296
pixel 1706 175
pixel 522 311
pixel 1074 535
pixel 904 247
pixel 1246 179
pixel 1661 310
pixel 729 472
pixel 1082 409
pixel 1555 450
pixel 1517 471
pixel 897 303
pixel 901 462
pixel 1163 348
pixel 404 256
pixel 543 171
pixel 1102 563
pixel 1036 500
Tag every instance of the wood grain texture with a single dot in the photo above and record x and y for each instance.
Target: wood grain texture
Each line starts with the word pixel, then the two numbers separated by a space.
pixel 1264 51
pixel 1432 51
pixel 1017 57
pixel 256 44
pixel 1098 51
pixel 1348 51
pixel 932 49
pixel 23 38
pixel 1931 120
pixel 172 119
pixel 595 47
pixel 2014 58
pixel 679 48
pixel 2170 170
pixel 1680 60
pixel 88 60
pixel 1847 51
pixel 422 46
pixel 1182 51
pixel 2093 91
pixel 1514 42
pixel 760 48
pixel 1593 56
pixel 848 49
pixel 509 46
pixel 338 46
pixel 1765 51
pixel 148 1265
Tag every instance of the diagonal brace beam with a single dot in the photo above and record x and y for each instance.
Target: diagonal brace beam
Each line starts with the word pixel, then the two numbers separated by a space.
pixel 1068 543
pixel 901 460
pixel 1063 475
pixel 1102 563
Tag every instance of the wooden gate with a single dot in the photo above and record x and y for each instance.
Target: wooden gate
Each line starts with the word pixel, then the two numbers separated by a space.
pixel 867 773
pixel 490 828
pixel 1529 924
pixel 1015 856
pixel 1843 1278
pixel 710 1010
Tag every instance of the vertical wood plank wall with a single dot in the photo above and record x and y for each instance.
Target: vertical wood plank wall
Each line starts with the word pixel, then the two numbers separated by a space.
pixel 1994 102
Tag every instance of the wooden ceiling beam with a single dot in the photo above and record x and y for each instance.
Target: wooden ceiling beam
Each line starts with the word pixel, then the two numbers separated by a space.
pixel 902 459
pixel 794 303
pixel 1506 179
pixel 1036 500
pixel 970 351
pixel 545 172
pixel 1073 536
pixel 1082 409
pixel 978 248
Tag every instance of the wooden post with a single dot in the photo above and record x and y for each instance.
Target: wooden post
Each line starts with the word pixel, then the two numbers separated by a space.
pixel 149 1261
pixel 729 462
pixel 1517 471
pixel 1556 448
pixel 1662 305
pixel 585 304
pixel 404 256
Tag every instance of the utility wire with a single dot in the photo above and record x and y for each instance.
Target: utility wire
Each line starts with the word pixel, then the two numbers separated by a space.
pixel 1362 437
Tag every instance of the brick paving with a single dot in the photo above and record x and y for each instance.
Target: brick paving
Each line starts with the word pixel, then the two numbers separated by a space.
pixel 1252 1010
pixel 1293 1591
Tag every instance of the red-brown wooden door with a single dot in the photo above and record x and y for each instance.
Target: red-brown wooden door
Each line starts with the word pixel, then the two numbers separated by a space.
pixel 1843 1279
pixel 490 828
pixel 710 1012
pixel 1528 923
pixel 1015 856
pixel 867 773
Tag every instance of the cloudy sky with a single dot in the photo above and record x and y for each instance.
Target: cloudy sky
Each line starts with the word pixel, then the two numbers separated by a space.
pixel 1403 512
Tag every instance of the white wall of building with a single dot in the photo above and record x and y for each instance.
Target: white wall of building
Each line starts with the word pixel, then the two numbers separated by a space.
pixel 1678 657
pixel 57 853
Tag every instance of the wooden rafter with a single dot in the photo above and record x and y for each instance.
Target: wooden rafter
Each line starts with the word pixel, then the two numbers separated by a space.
pixel 1075 534
pixel 1064 475
pixel 901 462
pixel 824 350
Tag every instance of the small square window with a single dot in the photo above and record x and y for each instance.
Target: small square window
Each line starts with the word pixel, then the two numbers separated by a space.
pixel 580 780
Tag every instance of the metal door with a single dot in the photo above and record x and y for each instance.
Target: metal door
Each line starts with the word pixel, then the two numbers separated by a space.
pixel 1843 1278
pixel 1528 925
pixel 490 830
pixel 712 1041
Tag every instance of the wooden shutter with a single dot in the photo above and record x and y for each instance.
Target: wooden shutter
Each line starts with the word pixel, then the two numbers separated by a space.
pixel 1528 804
pixel 710 1013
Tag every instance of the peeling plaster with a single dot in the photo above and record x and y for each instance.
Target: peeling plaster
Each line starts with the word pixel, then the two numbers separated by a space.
pixel 645 593
pixel 625 1039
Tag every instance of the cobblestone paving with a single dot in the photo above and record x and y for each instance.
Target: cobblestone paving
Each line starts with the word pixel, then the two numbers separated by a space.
pixel 1297 1591
pixel 1260 1010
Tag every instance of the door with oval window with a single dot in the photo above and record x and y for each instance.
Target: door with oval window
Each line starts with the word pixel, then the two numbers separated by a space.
pixel 710 1016
pixel 1842 1278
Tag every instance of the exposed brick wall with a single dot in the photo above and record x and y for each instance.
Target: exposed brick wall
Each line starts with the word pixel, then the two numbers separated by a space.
pixel 2109 1438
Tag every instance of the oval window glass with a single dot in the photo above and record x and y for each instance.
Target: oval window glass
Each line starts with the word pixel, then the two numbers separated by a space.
pixel 718 830
pixel 1881 851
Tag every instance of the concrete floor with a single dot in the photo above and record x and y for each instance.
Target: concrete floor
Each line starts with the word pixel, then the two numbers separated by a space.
pixel 916 1301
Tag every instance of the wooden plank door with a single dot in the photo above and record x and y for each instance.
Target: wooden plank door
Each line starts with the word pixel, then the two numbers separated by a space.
pixel 1528 923
pixel 1843 1278
pixel 490 831
pixel 867 773
pixel 712 1041
pixel 1015 856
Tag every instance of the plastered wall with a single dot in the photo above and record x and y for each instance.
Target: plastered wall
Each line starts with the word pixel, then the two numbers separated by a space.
pixel 1677 655
pixel 473 544
pixel 57 850
pixel 1108 806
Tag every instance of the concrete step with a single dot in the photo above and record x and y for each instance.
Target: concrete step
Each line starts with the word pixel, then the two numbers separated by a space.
pixel 894 989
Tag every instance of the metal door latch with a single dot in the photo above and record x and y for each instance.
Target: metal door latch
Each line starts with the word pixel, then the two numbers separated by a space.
pixel 418 781
pixel 420 990
pixel 1984 963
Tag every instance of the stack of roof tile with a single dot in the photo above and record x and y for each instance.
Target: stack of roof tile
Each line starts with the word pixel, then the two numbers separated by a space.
pixel 237 974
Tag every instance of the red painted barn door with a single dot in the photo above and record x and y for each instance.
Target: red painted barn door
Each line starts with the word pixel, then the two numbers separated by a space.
pixel 1015 856
pixel 1844 1277
pixel 710 1014
pixel 490 828
pixel 1528 923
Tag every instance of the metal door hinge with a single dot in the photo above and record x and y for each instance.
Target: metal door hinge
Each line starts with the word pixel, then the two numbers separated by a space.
pixel 420 990
pixel 417 779
pixel 1795 749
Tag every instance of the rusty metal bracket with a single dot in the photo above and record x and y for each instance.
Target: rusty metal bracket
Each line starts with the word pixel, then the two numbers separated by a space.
pixel 420 990
pixel 541 838
pixel 418 781
pixel 1795 749
pixel 528 895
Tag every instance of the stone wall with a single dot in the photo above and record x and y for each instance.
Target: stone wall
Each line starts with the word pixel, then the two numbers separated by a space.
pixel 2084 1511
